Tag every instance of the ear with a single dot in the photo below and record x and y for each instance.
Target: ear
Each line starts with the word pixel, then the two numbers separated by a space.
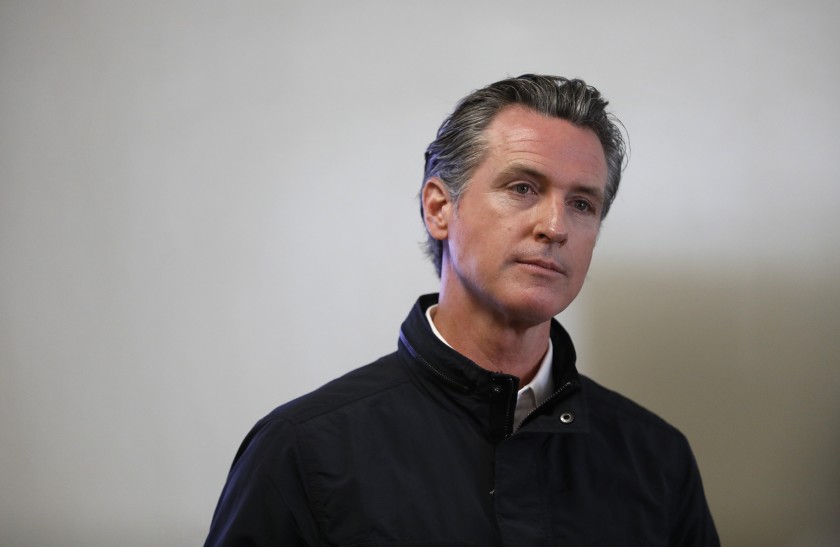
pixel 437 207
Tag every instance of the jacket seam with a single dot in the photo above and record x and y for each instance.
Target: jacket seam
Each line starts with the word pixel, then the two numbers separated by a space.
pixel 308 417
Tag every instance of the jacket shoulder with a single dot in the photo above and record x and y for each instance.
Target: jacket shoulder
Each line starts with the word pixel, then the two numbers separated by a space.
pixel 610 406
pixel 384 374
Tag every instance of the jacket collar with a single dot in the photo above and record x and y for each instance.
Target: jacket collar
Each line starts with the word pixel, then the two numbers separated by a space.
pixel 489 397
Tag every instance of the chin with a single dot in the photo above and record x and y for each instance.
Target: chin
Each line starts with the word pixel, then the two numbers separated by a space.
pixel 537 309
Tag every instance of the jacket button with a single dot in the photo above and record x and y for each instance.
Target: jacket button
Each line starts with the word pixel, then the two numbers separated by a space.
pixel 567 417
pixel 496 388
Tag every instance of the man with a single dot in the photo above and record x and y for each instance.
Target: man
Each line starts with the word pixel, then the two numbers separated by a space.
pixel 479 430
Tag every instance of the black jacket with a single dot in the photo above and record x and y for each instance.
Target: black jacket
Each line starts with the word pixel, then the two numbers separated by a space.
pixel 417 449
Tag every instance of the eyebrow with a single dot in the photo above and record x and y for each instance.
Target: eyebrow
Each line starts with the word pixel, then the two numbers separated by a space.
pixel 515 170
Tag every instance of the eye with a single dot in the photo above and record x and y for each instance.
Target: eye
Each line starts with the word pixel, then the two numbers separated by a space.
pixel 583 206
pixel 523 188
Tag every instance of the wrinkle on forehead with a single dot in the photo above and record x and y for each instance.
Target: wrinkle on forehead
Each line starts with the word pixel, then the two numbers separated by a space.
pixel 522 133
pixel 520 124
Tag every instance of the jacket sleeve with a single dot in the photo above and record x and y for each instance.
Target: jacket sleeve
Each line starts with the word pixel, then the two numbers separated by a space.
pixel 264 500
pixel 691 520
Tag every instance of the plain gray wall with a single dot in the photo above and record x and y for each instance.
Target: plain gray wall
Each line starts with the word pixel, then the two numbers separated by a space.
pixel 208 208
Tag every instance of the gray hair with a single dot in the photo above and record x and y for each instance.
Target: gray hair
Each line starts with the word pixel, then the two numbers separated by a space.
pixel 460 144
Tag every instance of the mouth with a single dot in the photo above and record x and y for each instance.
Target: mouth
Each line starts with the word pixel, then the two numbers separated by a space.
pixel 544 266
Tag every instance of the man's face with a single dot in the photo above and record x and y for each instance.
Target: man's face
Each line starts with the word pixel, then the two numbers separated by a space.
pixel 520 239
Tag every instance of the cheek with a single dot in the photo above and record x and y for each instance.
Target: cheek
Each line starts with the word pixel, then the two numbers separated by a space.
pixel 468 248
pixel 583 255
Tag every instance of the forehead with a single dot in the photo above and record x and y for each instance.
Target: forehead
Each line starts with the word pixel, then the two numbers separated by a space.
pixel 521 134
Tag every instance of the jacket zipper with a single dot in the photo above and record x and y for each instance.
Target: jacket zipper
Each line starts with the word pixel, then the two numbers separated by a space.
pixel 508 416
pixel 560 391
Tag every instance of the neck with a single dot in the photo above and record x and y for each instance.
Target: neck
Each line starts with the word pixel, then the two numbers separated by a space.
pixel 491 340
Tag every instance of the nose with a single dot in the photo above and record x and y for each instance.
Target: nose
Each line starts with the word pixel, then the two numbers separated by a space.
pixel 551 224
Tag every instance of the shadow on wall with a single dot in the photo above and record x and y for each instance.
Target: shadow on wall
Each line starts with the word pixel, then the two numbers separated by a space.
pixel 747 365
